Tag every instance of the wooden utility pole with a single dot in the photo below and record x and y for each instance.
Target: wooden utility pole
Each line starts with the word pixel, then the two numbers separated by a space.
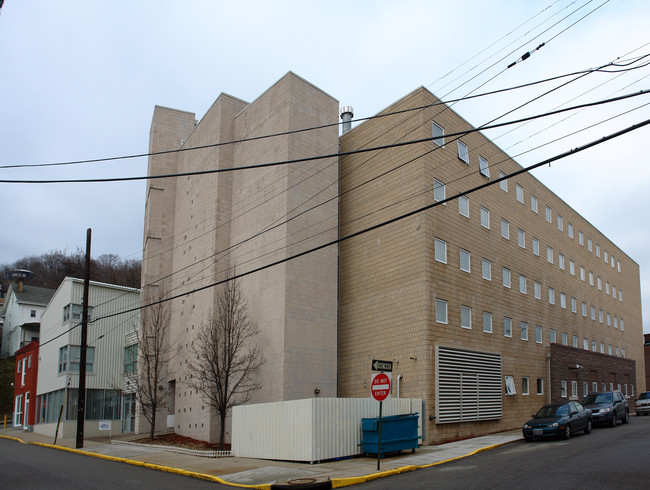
pixel 81 398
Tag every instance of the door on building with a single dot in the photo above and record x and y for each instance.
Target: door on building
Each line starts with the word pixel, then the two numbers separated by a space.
pixel 26 412
pixel 18 411
pixel 128 413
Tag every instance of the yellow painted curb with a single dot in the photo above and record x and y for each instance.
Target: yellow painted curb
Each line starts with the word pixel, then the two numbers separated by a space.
pixel 346 482
pixel 13 439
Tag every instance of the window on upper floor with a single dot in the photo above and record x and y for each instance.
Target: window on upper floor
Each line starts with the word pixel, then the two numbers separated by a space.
pixel 441 311
pixel 552 336
pixel 574 305
pixel 524 330
pixel 483 166
pixel 538 334
pixel 438 135
pixel 523 286
pixel 487 322
pixel 535 246
pixel 533 203
pixel 593 312
pixel 438 190
pixel 520 193
pixel 570 230
pixel 549 255
pixel 466 317
pixel 524 386
pixel 549 218
pixel 505 229
pixel 562 300
pixel 560 223
pixel 463 154
pixel 565 338
pixel 582 273
pixel 485 217
pixel 510 385
pixel 507 327
pixel 464 260
pixel 551 296
pixel 69 359
pixel 463 206
pixel 575 341
pixel 581 238
pixel 32 313
pixel 597 250
pixel 572 267
pixel 73 312
pixel 131 359
pixel 584 309
pixel 506 277
pixel 441 250
pixel 589 244
pixel 486 269
pixel 521 238
pixel 560 261
pixel 503 184
pixel 537 289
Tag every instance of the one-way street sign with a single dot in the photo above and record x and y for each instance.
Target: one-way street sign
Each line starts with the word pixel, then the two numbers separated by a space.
pixel 383 366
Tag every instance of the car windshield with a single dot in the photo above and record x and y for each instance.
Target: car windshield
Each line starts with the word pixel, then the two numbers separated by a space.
pixel 597 398
pixel 645 396
pixel 552 410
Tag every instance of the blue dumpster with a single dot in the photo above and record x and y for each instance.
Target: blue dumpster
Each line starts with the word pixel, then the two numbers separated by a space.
pixel 398 432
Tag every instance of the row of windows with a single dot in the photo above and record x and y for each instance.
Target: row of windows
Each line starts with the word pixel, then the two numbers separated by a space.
pixel 525 386
pixel 594 388
pixel 69 359
pixel 442 316
pixel 463 155
pixel 440 254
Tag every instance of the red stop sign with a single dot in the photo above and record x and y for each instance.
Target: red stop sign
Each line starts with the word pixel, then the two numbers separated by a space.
pixel 380 386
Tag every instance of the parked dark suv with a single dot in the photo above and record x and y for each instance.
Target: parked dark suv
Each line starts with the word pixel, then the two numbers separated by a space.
pixel 607 407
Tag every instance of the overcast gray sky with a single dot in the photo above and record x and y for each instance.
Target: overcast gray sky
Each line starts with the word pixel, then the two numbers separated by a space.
pixel 80 79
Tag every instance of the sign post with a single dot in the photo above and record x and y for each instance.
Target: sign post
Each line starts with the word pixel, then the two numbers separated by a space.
pixel 380 391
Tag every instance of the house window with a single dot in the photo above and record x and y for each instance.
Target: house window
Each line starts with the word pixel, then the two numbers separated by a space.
pixel 538 334
pixel 486 269
pixel 70 355
pixel 563 389
pixel 485 217
pixel 581 238
pixel 22 378
pixel 574 389
pixel 464 260
pixel 560 223
pixel 563 300
pixel 503 183
pixel 549 255
pixel 537 290
pixel 463 206
pixel 540 386
pixel 565 338
pixel 548 215
pixel 521 238
pixel 487 322
pixel 441 250
pixel 506 277
pixel 438 135
pixel 552 337
pixel 533 204
pixel 32 313
pixel 582 273
pixel 585 344
pixel 524 386
pixel 551 296
pixel 574 305
pixel 560 261
pixel 597 250
pixel 520 193
pixel 600 316
pixel 570 229
pixel 505 229
pixel 522 284
pixel 594 348
pixel 536 246
pixel 465 317
pixel 584 309
pixel 441 311
pixel 462 152
pixel 510 385
pixel 593 312
pixel 575 341
pixel 507 327
pixel 131 359
pixel 524 331
pixel 483 167
pixel 74 312
pixel 589 244
pixel 572 267
pixel 438 190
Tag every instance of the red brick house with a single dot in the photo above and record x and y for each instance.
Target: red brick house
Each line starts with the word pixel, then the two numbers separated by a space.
pixel 25 385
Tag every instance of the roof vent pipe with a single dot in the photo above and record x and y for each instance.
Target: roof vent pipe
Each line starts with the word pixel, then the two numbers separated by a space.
pixel 347 113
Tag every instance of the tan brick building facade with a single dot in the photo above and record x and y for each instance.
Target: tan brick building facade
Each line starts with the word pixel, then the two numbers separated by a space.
pixel 466 298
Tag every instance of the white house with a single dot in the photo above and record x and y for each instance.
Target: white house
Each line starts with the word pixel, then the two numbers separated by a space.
pixel 22 312
pixel 112 316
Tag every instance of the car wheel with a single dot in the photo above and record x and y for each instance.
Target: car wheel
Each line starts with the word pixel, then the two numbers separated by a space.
pixel 588 428
pixel 567 432
pixel 612 422
pixel 626 419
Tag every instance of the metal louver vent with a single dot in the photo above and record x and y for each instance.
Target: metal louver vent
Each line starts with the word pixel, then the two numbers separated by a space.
pixel 468 385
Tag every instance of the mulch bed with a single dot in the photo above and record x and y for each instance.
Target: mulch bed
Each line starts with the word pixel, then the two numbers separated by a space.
pixel 181 441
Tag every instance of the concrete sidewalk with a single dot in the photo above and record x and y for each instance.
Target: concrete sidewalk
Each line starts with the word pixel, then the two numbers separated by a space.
pixel 265 474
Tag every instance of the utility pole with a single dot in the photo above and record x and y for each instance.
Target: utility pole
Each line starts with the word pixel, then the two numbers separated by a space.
pixel 81 399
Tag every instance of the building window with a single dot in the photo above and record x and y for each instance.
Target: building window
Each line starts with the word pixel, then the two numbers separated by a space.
pixel 464 260
pixel 572 267
pixel 575 341
pixel 487 322
pixel 505 229
pixel 548 215
pixel 74 312
pixel 524 331
pixel 570 229
pixel 594 348
pixel 609 349
pixel 465 317
pixel 503 183
pixel 536 246
pixel 32 313
pixel 574 389
pixel 600 316
pixel 438 135
pixel 462 152
pixel 70 355
pixel 538 334
pixel 551 296
pixel 593 312
pixel 552 337
pixel 574 305
pixel 582 273
pixel 506 277
pixel 524 386
pixel 584 309
pixel 589 244
pixel 549 255
pixel 485 218
pixel 560 223
pixel 463 206
pixel 622 325
pixel 602 348
pixel 594 386
pixel 441 250
pixel 510 385
pixel 618 265
pixel 563 300
pixel 537 289
pixel 441 311
pixel 521 238
pixel 486 269
pixel 507 327
pixel 563 389
pixel 609 319
pixel 605 256
pixel 522 284
pixel 585 344
pixel 520 193
pixel 597 250
pixel 591 281
pixel 540 386
pixel 581 238
pixel 565 338
pixel 131 359
pixel 560 261
pixel 438 190
pixel 533 204
pixel 483 166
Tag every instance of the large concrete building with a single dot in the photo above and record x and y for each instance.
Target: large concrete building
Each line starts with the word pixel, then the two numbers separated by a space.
pixel 489 305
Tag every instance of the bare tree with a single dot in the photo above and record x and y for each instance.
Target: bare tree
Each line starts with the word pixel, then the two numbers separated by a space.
pixel 227 356
pixel 151 387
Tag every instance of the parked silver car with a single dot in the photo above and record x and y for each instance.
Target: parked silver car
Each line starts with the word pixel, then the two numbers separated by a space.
pixel 642 404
